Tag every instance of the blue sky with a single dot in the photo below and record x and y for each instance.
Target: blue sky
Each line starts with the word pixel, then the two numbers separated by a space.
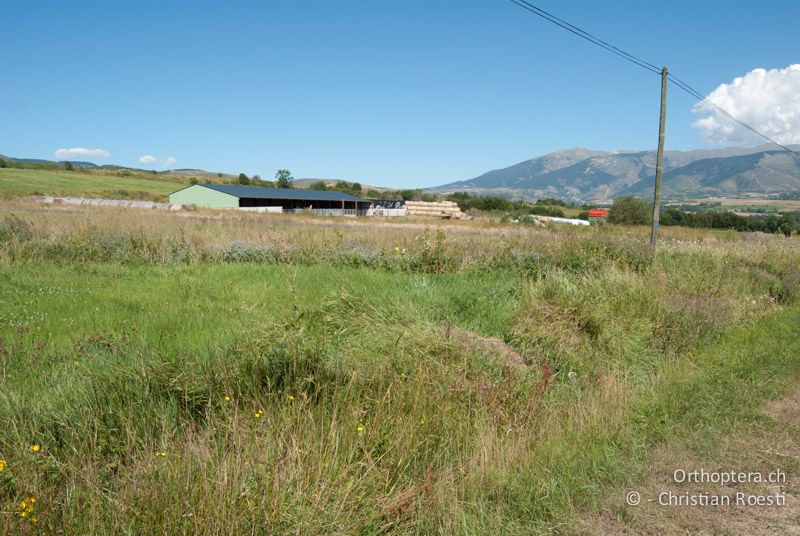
pixel 406 93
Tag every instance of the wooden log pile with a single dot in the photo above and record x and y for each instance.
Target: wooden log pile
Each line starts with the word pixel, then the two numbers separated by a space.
pixel 443 209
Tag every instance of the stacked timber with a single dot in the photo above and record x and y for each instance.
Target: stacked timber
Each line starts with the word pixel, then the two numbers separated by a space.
pixel 443 209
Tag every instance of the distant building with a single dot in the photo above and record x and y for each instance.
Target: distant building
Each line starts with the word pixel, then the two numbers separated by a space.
pixel 598 215
pixel 270 199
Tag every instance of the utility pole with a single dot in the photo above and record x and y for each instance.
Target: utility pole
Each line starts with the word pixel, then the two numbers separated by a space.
pixel 659 162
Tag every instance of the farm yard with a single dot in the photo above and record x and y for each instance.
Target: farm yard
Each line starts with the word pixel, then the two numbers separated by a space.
pixel 210 372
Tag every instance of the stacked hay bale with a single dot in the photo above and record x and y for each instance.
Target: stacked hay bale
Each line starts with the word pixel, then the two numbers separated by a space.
pixel 443 209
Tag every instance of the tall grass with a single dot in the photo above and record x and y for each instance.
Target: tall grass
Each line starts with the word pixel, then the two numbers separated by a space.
pixel 206 374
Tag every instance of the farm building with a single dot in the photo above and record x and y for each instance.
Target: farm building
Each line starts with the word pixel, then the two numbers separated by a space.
pixel 276 199
pixel 598 215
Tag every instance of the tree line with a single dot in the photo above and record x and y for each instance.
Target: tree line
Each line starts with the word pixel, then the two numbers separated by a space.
pixel 629 210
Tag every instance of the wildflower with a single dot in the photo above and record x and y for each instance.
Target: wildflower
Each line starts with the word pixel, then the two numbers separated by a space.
pixel 2 465
pixel 26 508
pixel 360 428
pixel 259 413
pixel 291 397
pixel 36 447
pixel 227 398
pixel 161 454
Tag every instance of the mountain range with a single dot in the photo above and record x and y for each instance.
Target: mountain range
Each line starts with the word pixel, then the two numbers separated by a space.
pixel 585 175
pixel 589 176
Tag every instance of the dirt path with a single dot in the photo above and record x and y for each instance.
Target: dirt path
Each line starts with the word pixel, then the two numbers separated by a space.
pixel 755 451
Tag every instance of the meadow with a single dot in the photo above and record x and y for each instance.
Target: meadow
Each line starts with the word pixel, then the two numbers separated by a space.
pixel 123 184
pixel 215 373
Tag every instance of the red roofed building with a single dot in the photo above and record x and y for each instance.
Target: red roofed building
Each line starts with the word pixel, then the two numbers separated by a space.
pixel 598 215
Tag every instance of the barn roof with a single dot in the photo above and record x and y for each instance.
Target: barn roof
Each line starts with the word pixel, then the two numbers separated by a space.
pixel 258 192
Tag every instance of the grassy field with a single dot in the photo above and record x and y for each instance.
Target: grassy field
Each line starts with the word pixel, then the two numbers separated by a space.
pixel 213 373
pixel 88 183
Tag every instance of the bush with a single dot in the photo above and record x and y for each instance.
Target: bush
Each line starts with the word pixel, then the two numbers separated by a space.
pixel 540 210
pixel 630 210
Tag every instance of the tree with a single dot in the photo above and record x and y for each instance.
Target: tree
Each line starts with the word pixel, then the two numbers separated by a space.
pixel 2 163
pixel 283 178
pixel 788 225
pixel 629 210
pixel 68 166
pixel 243 179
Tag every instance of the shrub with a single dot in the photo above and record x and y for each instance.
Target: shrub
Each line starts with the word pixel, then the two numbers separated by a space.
pixel 241 251
pixel 629 210
pixel 540 210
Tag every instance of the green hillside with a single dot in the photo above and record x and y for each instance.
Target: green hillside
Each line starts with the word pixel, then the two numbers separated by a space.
pixel 107 184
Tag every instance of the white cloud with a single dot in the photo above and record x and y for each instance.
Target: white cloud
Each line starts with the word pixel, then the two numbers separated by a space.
pixel 80 152
pixel 767 100
pixel 150 159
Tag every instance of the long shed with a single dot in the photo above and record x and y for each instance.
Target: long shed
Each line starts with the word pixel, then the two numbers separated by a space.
pixel 289 199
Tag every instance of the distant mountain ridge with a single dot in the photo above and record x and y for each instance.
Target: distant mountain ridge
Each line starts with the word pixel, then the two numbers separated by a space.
pixel 589 176
pixel 586 175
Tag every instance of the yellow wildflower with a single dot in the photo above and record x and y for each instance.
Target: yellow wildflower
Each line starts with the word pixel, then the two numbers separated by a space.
pixel 291 397
pixel 2 465
pixel 25 509
pixel 161 454
pixel 360 428
pixel 36 447
pixel 227 398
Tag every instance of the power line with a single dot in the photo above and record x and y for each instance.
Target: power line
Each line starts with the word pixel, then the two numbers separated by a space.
pixel 586 35
pixel 640 63
pixel 699 96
